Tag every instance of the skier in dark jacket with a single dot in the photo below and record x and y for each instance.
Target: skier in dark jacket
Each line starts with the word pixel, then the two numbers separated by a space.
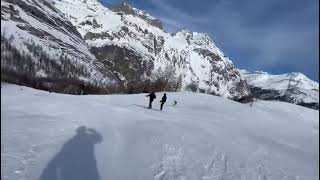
pixel 152 96
pixel 163 100
pixel 82 86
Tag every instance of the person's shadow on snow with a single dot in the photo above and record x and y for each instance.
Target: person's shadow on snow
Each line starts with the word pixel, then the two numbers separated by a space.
pixel 76 159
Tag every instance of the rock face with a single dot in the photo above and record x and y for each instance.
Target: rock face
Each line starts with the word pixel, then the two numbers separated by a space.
pixel 134 46
pixel 42 49
pixel 294 88
pixel 125 8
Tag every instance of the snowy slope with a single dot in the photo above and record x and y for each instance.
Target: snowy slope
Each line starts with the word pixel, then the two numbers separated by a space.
pixel 36 35
pixel 301 90
pixel 203 138
pixel 133 44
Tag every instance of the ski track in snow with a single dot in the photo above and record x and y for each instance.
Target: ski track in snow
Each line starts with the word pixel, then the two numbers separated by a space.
pixel 203 138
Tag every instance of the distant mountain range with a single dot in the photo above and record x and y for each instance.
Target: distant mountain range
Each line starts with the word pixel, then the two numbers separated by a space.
pixel 293 87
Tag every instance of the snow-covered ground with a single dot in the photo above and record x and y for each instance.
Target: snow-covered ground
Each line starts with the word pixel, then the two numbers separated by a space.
pixel 203 138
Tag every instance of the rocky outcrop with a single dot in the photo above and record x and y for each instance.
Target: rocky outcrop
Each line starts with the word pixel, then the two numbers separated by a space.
pixel 125 8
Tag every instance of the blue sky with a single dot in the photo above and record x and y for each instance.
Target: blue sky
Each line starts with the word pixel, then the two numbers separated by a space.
pixel 277 36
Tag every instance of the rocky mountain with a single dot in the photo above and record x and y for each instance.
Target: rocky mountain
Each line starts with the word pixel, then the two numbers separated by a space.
pixel 42 49
pixel 143 56
pixel 294 87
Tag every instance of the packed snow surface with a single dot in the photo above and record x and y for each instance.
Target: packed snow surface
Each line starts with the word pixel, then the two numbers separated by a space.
pixel 203 137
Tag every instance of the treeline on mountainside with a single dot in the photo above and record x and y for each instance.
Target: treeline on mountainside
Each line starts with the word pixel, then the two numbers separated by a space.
pixel 37 70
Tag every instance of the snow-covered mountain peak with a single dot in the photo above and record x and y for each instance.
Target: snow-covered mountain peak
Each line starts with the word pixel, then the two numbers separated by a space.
pixel 87 2
pixel 292 87
pixel 280 81
pixel 125 8
pixel 184 31
pixel 125 34
pixel 128 42
pixel 198 40
pixel 194 37
pixel 298 75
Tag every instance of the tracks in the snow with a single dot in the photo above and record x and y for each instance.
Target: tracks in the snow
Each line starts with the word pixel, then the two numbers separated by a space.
pixel 175 165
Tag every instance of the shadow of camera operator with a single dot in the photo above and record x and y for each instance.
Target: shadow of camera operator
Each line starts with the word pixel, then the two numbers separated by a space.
pixel 76 159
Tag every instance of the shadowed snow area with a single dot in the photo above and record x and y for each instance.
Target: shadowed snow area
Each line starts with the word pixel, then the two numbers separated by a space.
pixel 114 137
